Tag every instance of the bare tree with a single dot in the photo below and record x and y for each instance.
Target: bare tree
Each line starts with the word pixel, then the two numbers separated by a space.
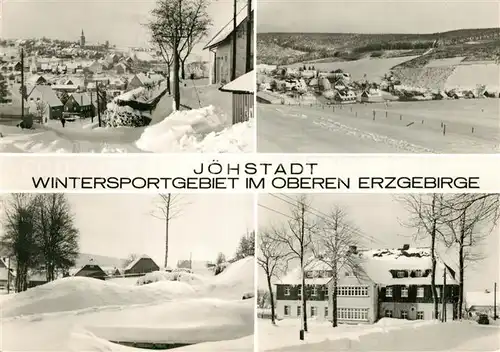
pixel 174 25
pixel 426 216
pixel 272 259
pixel 168 207
pixel 19 235
pixel 56 233
pixel 335 246
pixel 297 241
pixel 131 258
pixel 470 219
pixel 40 108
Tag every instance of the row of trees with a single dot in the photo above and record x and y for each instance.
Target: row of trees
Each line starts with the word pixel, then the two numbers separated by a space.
pixel 460 222
pixel 40 235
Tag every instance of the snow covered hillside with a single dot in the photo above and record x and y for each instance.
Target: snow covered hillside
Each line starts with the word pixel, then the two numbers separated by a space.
pixel 85 314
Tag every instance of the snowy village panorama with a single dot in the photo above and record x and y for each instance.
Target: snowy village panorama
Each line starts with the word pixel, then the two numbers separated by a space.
pixel 381 77
pixel 150 76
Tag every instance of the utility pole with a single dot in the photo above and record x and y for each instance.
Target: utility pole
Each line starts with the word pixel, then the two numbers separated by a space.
pixel 91 104
pixel 235 36
pixel 249 36
pixel 22 84
pixel 495 301
pixel 443 313
pixel 8 276
pixel 98 103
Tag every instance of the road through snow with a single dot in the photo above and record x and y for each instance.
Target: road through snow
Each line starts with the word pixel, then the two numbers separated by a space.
pixel 408 128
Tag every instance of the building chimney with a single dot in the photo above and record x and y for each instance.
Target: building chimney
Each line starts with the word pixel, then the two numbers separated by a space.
pixel 406 247
pixel 353 249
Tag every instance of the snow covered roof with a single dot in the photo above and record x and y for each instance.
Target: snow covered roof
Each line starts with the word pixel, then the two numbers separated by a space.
pixel 242 84
pixel 46 94
pixel 378 264
pixel 481 298
pixel 136 260
pixel 226 31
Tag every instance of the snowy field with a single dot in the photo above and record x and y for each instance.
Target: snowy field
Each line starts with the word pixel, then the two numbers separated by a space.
pixel 386 335
pixel 472 126
pixel 199 130
pixel 369 68
pixel 84 314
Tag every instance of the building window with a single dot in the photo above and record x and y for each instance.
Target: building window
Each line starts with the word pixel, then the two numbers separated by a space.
pixel 404 292
pixel 388 313
pixel 286 311
pixel 404 314
pixel 388 292
pixel 352 291
pixel 314 311
pixel 326 311
pixel 360 314
pixel 309 274
pixel 314 291
pixel 420 315
pixel 438 290
pixel 401 274
pixel 300 291
pixel 299 311
pixel 418 273
pixel 420 292
pixel 287 291
pixel 325 292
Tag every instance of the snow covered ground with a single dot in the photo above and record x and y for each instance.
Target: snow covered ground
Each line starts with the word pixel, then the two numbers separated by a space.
pixel 472 126
pixel 84 314
pixel 200 130
pixel 386 335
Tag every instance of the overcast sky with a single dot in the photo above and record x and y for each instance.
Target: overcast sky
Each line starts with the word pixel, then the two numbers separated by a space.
pixel 375 16
pixel 121 224
pixel 381 217
pixel 119 21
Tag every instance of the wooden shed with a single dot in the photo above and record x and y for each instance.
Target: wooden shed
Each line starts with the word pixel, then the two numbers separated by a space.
pixel 243 90
pixel 142 265
pixel 92 270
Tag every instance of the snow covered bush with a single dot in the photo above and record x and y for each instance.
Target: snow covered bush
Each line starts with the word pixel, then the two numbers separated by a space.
pixel 124 116
pixel 157 276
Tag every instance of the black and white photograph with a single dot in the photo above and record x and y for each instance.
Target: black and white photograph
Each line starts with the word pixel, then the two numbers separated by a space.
pixel 373 272
pixel 157 76
pixel 127 272
pixel 409 76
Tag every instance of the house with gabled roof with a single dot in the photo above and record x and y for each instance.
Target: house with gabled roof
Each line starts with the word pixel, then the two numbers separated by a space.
pixel 141 265
pixel 44 103
pixel 393 283
pixel 81 104
pixel 92 270
pixel 220 48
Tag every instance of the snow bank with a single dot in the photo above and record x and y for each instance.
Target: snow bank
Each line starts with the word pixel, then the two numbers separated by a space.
pixel 239 275
pixel 172 132
pixel 184 321
pixel 412 337
pixel 76 293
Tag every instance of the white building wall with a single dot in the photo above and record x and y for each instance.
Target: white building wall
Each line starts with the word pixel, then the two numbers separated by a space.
pixel 320 309
pixel 412 310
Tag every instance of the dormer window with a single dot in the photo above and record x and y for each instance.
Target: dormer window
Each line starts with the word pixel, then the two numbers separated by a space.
pixel 309 274
pixel 418 273
pixel 401 274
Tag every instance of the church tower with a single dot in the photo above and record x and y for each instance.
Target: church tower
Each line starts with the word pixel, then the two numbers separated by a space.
pixel 82 39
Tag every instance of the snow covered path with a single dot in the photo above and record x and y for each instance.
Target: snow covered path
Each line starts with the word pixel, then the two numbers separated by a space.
pixel 472 127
